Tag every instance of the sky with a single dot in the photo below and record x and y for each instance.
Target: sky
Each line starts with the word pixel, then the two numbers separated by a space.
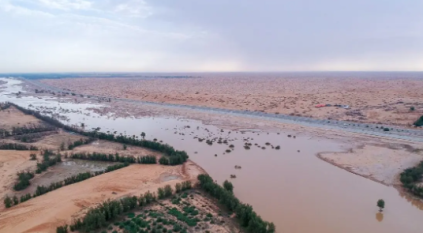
pixel 213 35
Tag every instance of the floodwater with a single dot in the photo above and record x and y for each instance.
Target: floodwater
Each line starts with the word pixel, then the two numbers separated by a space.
pixel 290 186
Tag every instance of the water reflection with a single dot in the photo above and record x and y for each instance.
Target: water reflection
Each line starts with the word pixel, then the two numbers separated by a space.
pixel 379 216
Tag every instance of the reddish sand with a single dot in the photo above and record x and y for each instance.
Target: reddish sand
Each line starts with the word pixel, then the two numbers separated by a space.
pixel 381 99
pixel 46 212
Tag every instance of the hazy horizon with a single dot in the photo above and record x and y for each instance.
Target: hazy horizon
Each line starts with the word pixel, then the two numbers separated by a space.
pixel 80 36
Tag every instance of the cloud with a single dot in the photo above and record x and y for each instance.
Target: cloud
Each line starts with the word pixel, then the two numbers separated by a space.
pixel 185 35
pixel 134 8
pixel 7 7
pixel 66 4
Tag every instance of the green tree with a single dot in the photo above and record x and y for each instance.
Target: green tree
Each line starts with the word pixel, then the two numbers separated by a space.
pixel 62 229
pixel 15 200
pixel 271 228
pixel 168 191
pixel 381 204
pixel 143 135
pixel 228 186
pixel 419 122
pixel 178 188
pixel 8 202
pixel 160 193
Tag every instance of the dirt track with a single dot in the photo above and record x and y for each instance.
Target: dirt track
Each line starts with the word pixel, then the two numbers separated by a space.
pixel 46 212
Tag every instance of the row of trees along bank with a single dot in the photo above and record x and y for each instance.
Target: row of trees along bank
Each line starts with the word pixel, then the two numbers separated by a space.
pixel 148 159
pixel 410 176
pixel 244 213
pixel 16 146
pixel 99 217
pixel 9 202
pixel 174 156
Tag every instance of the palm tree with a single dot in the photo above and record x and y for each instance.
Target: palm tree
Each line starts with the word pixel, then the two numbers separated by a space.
pixel 143 135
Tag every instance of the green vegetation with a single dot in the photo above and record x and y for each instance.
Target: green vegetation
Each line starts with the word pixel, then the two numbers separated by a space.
pixel 62 229
pixel 16 146
pixel 8 202
pixel 228 186
pixel 175 156
pixel 148 159
pixel 53 186
pixel 244 213
pixel 99 217
pixel 23 180
pixel 80 142
pixel 381 204
pixel 419 122
pixel 47 161
pixel 410 176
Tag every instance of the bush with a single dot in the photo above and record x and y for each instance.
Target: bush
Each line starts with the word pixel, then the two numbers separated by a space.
pixel 62 229
pixel 419 122
pixel 23 180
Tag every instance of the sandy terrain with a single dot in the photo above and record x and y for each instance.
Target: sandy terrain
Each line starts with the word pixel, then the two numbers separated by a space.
pixel 12 162
pixel 378 99
pixel 46 212
pixel 12 117
pixel 380 163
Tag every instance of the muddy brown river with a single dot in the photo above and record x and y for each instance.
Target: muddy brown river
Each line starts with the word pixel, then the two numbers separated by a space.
pixel 291 186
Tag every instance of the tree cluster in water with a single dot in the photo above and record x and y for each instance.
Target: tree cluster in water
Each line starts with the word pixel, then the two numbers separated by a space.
pixel 175 156
pixel 410 176
pixel 244 213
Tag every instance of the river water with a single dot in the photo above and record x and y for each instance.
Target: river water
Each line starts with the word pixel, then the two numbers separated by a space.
pixel 290 186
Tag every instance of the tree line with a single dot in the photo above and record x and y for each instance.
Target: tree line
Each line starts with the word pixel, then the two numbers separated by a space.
pixel 410 176
pixel 80 142
pixel 9 202
pixel 47 161
pixel 148 159
pixel 31 129
pixel 164 148
pixel 16 146
pixel 245 214
pixel 5 105
pixel 109 210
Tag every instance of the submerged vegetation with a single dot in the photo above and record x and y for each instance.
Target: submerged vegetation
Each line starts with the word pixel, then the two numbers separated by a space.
pixel 410 177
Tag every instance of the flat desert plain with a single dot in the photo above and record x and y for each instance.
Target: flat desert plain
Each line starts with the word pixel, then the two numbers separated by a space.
pixel 373 98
